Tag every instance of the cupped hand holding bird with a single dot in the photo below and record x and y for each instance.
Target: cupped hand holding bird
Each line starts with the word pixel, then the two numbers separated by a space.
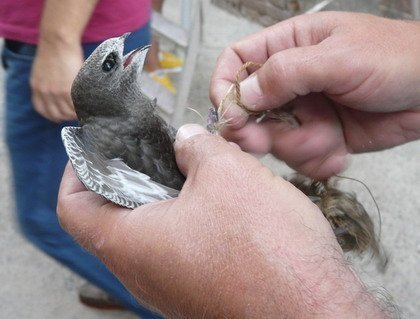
pixel 235 227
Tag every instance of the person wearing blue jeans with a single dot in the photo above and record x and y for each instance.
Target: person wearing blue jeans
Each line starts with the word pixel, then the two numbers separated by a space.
pixel 38 158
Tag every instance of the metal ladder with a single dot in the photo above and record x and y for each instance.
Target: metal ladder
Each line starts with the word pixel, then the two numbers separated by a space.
pixel 188 37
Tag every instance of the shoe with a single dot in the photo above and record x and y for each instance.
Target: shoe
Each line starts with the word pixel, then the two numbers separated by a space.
pixel 93 297
pixel 163 79
pixel 170 61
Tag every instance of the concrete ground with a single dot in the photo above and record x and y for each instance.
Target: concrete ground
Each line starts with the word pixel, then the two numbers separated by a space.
pixel 33 286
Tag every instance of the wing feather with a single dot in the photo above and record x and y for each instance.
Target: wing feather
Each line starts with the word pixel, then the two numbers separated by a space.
pixel 113 179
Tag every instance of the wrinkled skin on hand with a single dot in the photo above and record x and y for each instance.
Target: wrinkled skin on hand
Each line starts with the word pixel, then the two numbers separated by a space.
pixel 351 79
pixel 237 242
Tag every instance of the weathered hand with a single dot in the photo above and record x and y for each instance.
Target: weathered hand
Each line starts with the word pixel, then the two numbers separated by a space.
pixel 351 79
pixel 238 241
pixel 53 72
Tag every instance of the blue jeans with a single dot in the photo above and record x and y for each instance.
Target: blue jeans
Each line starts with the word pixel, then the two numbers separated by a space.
pixel 38 159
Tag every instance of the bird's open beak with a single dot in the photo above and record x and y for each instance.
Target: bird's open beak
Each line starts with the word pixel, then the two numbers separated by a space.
pixel 124 36
pixel 133 61
pixel 136 58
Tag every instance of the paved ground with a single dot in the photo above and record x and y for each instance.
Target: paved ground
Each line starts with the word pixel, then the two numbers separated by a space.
pixel 34 287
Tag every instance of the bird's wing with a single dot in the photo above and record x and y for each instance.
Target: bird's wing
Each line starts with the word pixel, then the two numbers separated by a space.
pixel 112 179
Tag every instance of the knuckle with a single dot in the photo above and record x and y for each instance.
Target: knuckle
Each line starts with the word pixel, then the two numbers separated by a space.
pixel 202 149
pixel 107 237
pixel 277 68
pixel 63 211
pixel 41 89
pixel 227 51
pixel 85 233
pixel 220 161
pixel 273 75
pixel 192 144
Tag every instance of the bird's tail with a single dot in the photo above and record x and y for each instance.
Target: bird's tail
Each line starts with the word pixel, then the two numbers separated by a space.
pixel 352 225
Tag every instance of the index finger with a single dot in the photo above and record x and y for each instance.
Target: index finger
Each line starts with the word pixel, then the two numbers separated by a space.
pixel 256 48
pixel 300 31
pixel 82 213
pixel 72 187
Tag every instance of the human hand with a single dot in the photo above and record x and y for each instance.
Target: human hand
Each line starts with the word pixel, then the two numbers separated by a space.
pixel 54 69
pixel 238 241
pixel 352 81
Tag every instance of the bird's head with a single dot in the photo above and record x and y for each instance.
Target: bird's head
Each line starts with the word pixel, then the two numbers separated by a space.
pixel 108 79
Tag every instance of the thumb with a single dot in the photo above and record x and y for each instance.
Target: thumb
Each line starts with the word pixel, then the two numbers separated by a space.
pixel 286 75
pixel 194 144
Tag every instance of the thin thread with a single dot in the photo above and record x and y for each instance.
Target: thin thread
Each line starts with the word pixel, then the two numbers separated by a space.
pixel 196 112
pixel 222 110
pixel 373 198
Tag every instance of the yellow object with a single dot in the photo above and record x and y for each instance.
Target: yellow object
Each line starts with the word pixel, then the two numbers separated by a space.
pixel 169 60
pixel 163 79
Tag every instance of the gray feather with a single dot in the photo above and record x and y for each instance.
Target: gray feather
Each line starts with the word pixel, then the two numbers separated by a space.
pixel 112 179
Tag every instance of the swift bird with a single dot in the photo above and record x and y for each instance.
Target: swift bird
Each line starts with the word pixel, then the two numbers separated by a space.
pixel 123 149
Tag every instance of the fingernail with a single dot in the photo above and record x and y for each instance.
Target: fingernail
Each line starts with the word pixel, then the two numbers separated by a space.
pixel 188 130
pixel 251 92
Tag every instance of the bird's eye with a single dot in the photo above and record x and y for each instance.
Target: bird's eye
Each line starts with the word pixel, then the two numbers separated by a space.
pixel 109 62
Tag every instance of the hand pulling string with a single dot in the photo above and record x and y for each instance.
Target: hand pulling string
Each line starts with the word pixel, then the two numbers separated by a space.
pixel 351 223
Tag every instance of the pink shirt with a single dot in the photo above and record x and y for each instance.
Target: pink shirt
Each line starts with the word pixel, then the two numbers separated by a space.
pixel 20 19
